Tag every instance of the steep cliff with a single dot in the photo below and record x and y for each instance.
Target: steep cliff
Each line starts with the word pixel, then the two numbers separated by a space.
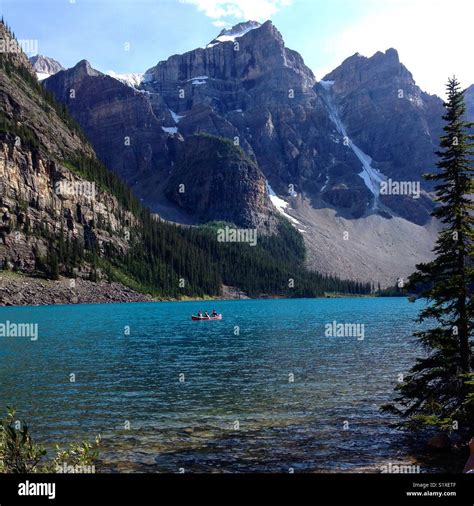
pixel 387 116
pixel 356 143
pixel 246 85
pixel 138 135
pixel 64 214
pixel 46 204
pixel 214 180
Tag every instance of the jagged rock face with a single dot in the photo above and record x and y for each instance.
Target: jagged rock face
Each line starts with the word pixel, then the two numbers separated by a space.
pixel 390 118
pixel 254 88
pixel 12 50
pixel 118 119
pixel 247 85
pixel 38 197
pixel 213 180
pixel 34 196
pixel 370 90
pixel 250 87
pixel 246 58
pixel 137 134
pixel 45 66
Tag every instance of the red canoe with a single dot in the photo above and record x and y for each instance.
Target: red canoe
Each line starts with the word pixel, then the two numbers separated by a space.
pixel 218 317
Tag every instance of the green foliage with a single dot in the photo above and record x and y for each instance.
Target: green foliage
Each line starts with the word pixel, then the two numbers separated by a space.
pixel 27 135
pixel 223 147
pixel 93 170
pixel 46 99
pixel 161 254
pixel 20 454
pixel 84 454
pixel 439 390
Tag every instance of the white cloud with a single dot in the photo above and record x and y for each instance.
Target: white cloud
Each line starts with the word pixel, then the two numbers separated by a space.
pixel 238 10
pixel 433 39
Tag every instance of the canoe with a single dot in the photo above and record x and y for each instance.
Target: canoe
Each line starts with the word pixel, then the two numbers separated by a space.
pixel 218 317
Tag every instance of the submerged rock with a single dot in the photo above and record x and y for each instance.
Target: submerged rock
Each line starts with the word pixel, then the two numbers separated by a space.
pixel 439 442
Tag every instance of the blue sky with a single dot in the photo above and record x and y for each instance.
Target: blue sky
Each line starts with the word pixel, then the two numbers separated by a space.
pixel 323 31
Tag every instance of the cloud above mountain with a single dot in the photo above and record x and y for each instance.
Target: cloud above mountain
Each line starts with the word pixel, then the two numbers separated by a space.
pixel 224 12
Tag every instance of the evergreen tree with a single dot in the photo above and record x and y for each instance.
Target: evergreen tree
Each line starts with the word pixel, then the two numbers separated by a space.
pixel 439 389
pixel 53 264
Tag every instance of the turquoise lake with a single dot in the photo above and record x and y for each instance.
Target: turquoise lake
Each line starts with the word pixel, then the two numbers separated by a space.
pixel 214 396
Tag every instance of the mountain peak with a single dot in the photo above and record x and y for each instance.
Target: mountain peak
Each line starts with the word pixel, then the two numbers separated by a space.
pixel 45 66
pixel 389 57
pixel 367 68
pixel 238 30
pixel 392 53
pixel 84 67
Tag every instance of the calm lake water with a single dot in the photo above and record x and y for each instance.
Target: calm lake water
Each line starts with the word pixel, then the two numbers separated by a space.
pixel 237 408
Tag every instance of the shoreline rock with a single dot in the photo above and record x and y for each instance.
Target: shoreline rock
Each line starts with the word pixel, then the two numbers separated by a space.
pixel 19 290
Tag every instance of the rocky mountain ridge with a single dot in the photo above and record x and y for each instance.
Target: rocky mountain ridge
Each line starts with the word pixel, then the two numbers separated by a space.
pixel 247 85
pixel 140 138
pixel 328 143
pixel 65 215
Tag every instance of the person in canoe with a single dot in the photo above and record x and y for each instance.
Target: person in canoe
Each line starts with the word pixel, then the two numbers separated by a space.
pixel 199 313
pixel 206 314
pixel 214 312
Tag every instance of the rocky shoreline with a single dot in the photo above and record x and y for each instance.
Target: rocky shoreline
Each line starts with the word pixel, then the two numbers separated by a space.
pixel 19 290
pixel 22 290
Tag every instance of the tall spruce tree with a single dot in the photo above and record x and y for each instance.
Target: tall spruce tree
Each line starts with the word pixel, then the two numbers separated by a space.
pixel 439 390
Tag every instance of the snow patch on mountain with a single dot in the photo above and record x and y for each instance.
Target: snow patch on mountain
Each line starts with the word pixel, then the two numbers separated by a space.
pixel 198 80
pixel 371 176
pixel 281 205
pixel 147 77
pixel 326 84
pixel 170 130
pixel 325 183
pixel 131 79
pixel 42 75
pixel 230 34
pixel 176 117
